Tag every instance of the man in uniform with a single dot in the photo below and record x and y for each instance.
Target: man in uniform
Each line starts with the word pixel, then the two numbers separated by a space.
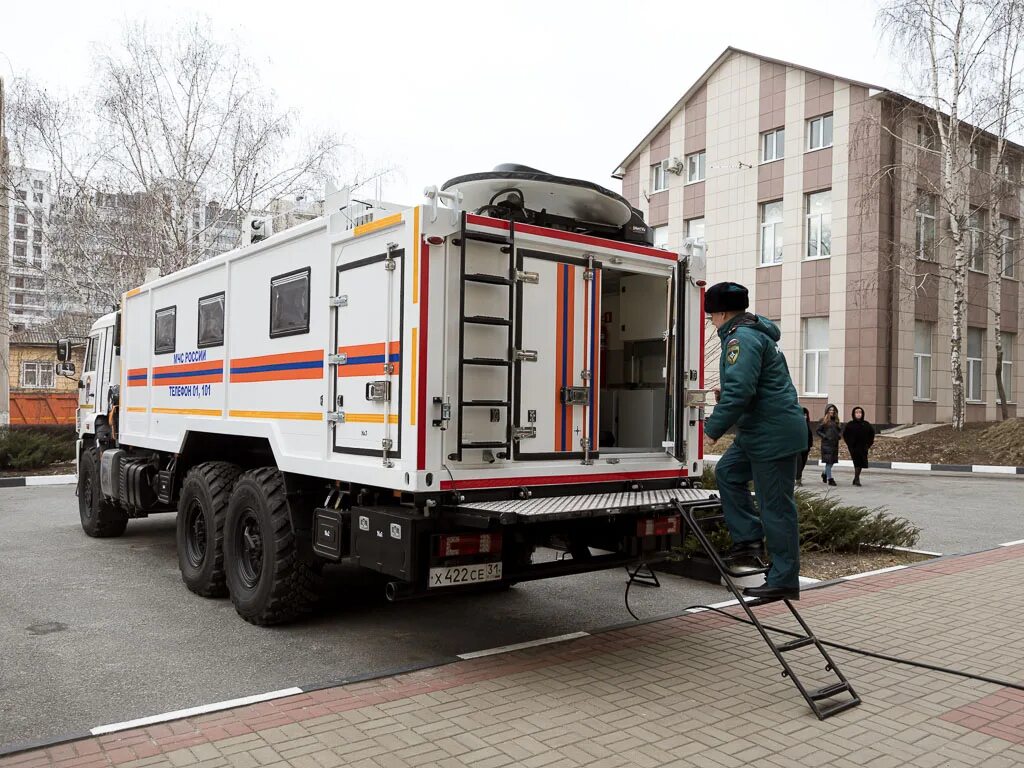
pixel 758 398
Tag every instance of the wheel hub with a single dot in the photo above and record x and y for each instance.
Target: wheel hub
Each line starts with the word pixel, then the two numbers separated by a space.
pixel 196 537
pixel 250 549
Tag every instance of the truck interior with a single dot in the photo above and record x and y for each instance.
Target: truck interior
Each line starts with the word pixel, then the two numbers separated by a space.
pixel 631 376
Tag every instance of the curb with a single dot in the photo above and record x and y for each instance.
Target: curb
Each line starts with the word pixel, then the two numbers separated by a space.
pixel 19 482
pixel 25 746
pixel 910 466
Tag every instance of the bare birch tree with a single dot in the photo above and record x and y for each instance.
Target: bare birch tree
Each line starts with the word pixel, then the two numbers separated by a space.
pixel 950 47
pixel 158 163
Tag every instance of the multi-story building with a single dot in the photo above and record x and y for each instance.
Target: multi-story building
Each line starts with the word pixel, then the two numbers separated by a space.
pixel 5 327
pixel 814 191
pixel 27 222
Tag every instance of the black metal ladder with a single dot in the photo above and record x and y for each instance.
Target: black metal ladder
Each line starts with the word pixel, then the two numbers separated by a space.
pixel 820 700
pixel 506 242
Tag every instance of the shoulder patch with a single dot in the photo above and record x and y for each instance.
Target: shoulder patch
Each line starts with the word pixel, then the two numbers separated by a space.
pixel 732 351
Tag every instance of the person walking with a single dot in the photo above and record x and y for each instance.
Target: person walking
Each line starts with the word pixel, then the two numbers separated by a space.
pixel 759 400
pixel 801 462
pixel 859 436
pixel 830 430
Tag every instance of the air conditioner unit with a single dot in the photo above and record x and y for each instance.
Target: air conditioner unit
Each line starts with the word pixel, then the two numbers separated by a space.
pixel 673 165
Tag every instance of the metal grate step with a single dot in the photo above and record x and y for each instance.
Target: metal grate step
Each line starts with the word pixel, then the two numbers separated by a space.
pixel 564 507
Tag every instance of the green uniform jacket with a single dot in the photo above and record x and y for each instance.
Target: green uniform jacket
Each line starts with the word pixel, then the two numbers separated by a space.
pixel 758 396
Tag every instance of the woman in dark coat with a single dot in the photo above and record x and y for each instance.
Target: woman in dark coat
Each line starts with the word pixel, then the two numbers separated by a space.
pixel 858 435
pixel 830 430
pixel 802 458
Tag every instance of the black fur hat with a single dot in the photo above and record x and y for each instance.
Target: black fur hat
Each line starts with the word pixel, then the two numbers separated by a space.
pixel 726 297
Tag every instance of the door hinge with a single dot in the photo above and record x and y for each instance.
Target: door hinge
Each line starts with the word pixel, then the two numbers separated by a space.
pixel 528 277
pixel 337 301
pixel 389 368
pixel 585 374
pixel 523 433
pixel 526 355
pixel 337 417
pixel 386 443
pixel 338 359
pixel 588 274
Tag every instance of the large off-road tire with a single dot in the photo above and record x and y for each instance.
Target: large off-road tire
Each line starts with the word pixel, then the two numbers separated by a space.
pixel 101 519
pixel 202 507
pixel 269 581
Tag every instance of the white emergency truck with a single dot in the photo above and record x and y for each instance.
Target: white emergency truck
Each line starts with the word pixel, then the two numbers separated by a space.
pixel 431 392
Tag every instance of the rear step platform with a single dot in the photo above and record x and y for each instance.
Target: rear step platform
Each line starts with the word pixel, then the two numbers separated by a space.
pixel 590 505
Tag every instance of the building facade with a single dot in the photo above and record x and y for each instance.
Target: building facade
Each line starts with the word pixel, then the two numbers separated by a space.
pixel 38 394
pixel 810 190
pixel 27 220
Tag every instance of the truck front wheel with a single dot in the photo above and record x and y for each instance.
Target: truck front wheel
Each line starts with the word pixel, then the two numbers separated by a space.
pixel 101 519
pixel 202 506
pixel 269 581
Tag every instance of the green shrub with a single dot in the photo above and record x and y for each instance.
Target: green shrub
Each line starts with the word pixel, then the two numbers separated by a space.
pixel 827 525
pixel 22 449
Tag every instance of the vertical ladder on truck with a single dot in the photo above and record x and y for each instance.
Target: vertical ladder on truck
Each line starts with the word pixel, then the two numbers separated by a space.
pixel 506 243
pixel 816 698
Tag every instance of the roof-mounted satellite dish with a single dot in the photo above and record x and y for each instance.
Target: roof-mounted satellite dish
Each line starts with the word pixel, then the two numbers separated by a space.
pixel 521 193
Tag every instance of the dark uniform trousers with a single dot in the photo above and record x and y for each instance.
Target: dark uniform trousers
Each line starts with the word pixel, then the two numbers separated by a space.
pixel 777 523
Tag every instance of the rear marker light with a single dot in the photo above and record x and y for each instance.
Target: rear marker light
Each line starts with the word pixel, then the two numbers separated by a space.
pixel 658 526
pixel 469 544
pixel 435 240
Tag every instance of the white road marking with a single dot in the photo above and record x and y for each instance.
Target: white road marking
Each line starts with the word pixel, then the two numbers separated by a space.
pixel 520 646
pixel 192 711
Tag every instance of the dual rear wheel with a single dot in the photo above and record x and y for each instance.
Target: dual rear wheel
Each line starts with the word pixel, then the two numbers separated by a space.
pixel 235 537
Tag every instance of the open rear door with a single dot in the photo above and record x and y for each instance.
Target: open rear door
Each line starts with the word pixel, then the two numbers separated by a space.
pixel 557 318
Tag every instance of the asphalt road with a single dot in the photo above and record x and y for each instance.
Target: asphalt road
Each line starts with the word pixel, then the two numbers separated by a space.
pixel 956 512
pixel 101 631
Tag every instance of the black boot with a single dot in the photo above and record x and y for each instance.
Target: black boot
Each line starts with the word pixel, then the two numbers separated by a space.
pixel 831 481
pixel 824 477
pixel 856 476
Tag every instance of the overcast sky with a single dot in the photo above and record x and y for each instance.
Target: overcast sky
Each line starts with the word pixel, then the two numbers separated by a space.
pixel 445 88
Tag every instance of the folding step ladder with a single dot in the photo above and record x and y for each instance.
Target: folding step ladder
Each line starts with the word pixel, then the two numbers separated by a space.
pixel 506 282
pixel 697 515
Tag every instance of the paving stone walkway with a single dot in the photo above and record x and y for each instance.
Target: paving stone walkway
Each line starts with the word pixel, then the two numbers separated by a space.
pixel 696 690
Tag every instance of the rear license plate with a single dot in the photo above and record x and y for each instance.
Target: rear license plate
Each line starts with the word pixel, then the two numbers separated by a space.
pixel 457 575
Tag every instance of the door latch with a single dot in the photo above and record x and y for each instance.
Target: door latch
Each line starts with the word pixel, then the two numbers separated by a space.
pixel 378 391
pixel 523 433
pixel 526 355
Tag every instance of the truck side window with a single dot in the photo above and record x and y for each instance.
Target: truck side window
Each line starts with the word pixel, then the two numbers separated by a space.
pixel 289 303
pixel 166 328
pixel 90 354
pixel 211 321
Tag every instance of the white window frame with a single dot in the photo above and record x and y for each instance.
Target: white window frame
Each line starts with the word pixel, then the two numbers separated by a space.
pixel 1009 233
pixel 922 218
pixel 777 251
pixel 689 227
pixel 773 145
pixel 816 130
pixel 1009 340
pixel 923 392
pixel 659 176
pixel 818 219
pixel 976 241
pixel 40 368
pixel 972 396
pixel 661 231
pixel 696 166
pixel 815 356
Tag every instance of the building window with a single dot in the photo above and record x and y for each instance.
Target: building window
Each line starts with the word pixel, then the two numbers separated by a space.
pixel 37 184
pixel 37 252
pixel 926 138
pixel 976 241
pixel 771 232
pixel 819 132
pixel 819 224
pixel 975 346
pixel 658 180
pixel 37 197
pixel 696 166
pixel 773 145
pixel 924 246
pixel 979 157
pixel 21 233
pixel 36 374
pixel 21 194
pixel 1008 235
pixel 923 360
pixel 19 250
pixel 166 330
pixel 660 236
pixel 1009 340
pixel 21 216
pixel 816 356
pixel 289 303
pixel 211 321
pixel 695 228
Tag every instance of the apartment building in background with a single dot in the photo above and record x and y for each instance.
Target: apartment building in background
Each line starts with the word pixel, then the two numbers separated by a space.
pixel 27 221
pixel 779 167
